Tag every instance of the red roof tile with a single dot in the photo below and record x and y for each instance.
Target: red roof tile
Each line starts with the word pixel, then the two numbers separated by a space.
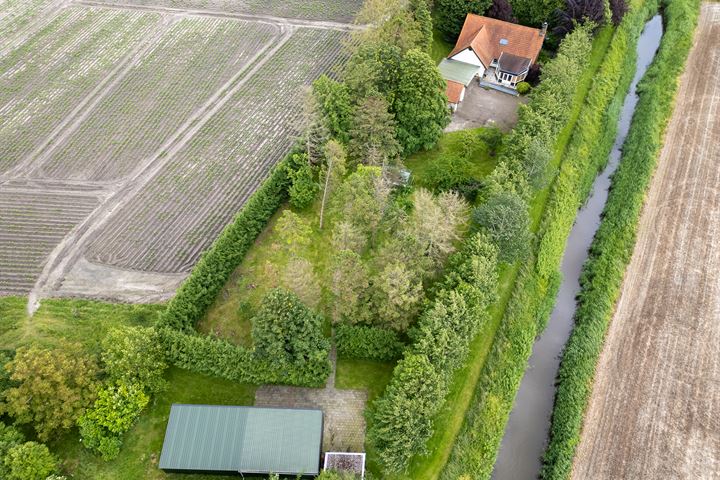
pixel 454 91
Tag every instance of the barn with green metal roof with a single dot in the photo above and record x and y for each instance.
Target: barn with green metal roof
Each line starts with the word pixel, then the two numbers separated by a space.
pixel 224 439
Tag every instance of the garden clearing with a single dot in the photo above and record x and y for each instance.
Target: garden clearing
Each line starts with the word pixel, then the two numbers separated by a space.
pixel 655 408
pixel 137 131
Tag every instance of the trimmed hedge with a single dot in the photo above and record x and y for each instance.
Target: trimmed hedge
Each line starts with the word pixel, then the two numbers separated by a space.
pixel 368 343
pixel 212 272
pixel 402 419
pixel 615 240
pixel 216 357
pixel 534 293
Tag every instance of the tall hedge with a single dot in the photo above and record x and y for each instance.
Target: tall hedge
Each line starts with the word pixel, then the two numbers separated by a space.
pixel 534 293
pixel 202 287
pixel 368 343
pixel 615 240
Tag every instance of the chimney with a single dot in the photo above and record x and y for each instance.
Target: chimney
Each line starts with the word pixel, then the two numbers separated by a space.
pixel 544 29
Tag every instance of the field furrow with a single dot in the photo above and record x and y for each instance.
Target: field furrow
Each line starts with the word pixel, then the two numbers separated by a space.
pixel 31 226
pixel 176 216
pixel 15 15
pixel 193 59
pixel 337 10
pixel 45 79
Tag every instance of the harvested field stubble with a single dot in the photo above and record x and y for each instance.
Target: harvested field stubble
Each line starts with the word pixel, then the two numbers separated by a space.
pixel 154 99
pixel 176 216
pixel 655 405
pixel 43 81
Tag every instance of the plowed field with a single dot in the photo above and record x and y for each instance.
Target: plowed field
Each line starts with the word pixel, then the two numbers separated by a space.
pixel 655 409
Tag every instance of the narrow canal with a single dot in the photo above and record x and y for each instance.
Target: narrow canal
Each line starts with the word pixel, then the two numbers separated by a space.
pixel 527 430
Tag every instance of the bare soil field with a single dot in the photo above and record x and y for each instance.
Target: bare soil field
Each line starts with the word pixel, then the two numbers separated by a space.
pixel 162 121
pixel 655 408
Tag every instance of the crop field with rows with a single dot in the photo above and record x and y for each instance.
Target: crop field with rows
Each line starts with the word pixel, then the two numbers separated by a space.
pixel 156 97
pixel 337 10
pixel 18 14
pixel 31 226
pixel 43 81
pixel 168 225
pixel 131 136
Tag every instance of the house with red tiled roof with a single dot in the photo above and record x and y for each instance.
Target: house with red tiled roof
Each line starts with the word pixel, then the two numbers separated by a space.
pixel 497 52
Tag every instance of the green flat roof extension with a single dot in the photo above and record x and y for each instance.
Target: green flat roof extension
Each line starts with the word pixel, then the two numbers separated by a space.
pixel 242 439
pixel 459 72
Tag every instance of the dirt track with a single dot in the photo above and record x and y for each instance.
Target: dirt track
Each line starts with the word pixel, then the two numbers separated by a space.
pixel 655 410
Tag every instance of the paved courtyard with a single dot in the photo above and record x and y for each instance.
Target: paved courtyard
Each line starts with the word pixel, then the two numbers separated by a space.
pixel 483 108
pixel 344 423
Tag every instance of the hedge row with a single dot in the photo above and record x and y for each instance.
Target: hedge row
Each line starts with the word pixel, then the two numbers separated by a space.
pixel 536 287
pixel 402 419
pixel 368 343
pixel 212 272
pixel 614 242
pixel 216 357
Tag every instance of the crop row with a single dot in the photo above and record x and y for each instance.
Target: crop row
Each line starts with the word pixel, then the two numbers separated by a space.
pixel 31 226
pixel 16 15
pixel 337 10
pixel 48 76
pixel 171 221
pixel 193 59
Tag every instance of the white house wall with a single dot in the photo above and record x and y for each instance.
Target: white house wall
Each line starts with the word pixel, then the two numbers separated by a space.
pixel 468 56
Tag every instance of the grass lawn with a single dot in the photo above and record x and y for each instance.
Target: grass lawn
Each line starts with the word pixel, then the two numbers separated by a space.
pixel 440 48
pixel 363 375
pixel 141 449
pixel 83 321
pixel 453 144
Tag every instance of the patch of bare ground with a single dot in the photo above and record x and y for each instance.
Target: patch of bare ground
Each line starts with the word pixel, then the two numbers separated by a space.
pixel 655 409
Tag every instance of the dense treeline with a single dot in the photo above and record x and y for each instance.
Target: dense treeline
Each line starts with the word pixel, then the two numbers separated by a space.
pixel 614 242
pixel 534 294
pixel 402 419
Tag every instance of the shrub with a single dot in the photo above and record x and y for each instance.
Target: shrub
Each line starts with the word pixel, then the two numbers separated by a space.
pixel 367 343
pixel 134 355
pixel 9 438
pixel 29 461
pixel 523 88
pixel 211 273
pixel 303 188
pixel 114 412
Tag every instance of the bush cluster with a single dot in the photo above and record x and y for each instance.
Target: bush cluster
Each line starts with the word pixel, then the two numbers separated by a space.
pixel 368 343
pixel 538 280
pixel 614 242
pixel 402 419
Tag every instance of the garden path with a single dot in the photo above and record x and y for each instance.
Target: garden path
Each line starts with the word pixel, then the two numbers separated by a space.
pixel 343 424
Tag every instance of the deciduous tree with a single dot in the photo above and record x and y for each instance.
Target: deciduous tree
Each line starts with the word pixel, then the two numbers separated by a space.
pixel 580 12
pixel 54 386
pixel 450 14
pixel 332 173
pixel 420 106
pixel 293 232
pixel 334 100
pixel 502 10
pixel 436 222
pixel 347 236
pixel 398 294
pixel 506 219
pixel 350 283
pixel 134 355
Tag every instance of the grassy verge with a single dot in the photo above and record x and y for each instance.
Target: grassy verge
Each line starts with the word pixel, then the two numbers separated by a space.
pixel 82 321
pixel 614 242
pixel 140 453
pixel 476 447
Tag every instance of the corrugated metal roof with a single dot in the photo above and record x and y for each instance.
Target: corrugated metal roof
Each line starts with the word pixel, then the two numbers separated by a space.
pixel 242 439
pixel 456 71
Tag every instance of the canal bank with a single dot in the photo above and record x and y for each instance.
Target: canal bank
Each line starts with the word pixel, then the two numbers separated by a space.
pixel 527 429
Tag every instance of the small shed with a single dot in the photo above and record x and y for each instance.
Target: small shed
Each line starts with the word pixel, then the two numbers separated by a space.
pixel 227 439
